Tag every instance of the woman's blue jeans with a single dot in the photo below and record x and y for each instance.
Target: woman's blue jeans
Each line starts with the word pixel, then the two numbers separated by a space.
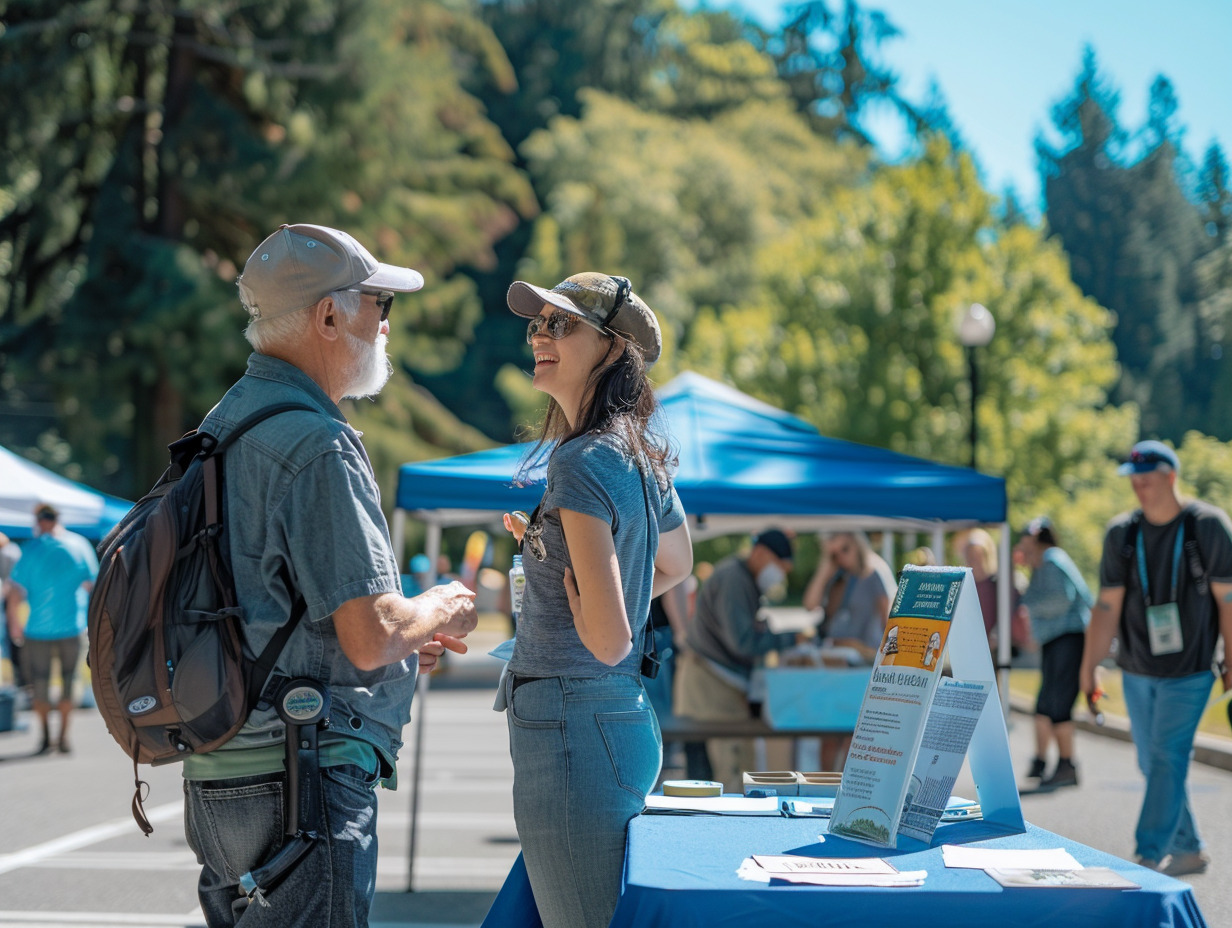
pixel 1163 716
pixel 586 751
pixel 235 825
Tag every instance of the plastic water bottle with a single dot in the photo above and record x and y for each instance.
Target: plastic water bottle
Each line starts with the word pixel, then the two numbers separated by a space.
pixel 517 583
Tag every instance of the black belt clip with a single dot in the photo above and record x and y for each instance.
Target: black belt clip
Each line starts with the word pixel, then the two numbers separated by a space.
pixel 303 704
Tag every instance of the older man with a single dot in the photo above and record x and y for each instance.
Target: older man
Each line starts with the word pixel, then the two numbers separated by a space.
pixel 305 525
pixel 724 642
pixel 1166 595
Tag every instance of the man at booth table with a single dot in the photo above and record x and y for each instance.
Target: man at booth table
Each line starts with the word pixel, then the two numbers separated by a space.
pixel 1167 624
pixel 304 522
pixel 724 640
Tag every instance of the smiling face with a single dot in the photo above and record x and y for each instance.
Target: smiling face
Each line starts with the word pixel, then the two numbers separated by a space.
pixel 563 365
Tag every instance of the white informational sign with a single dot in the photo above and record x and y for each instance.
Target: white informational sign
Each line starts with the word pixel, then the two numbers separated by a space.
pixel 889 787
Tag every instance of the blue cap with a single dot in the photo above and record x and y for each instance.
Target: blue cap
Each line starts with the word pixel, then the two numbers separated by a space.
pixel 420 564
pixel 1147 456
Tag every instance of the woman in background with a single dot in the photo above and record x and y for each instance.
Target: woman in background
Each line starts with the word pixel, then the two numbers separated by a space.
pixel 608 536
pixel 1059 604
pixel 856 619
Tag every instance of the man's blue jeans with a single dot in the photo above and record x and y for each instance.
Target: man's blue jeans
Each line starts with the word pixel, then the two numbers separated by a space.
pixel 586 751
pixel 237 824
pixel 1163 715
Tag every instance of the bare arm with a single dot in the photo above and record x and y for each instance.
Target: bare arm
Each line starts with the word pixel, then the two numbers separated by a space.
pixel 375 631
pixel 596 595
pixel 673 562
pixel 1223 599
pixel 14 596
pixel 1105 620
pixel 826 568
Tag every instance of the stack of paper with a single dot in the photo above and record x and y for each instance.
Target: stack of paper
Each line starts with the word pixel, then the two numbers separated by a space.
pixel 828 871
pixel 1050 867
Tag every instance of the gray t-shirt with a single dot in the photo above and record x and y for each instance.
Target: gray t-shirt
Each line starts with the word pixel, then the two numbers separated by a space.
pixel 858 617
pixel 595 476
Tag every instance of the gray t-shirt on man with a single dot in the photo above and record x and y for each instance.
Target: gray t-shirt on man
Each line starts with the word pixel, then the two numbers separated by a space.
pixel 595 476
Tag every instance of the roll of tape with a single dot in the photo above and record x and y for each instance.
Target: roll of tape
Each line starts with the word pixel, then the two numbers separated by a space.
pixel 692 788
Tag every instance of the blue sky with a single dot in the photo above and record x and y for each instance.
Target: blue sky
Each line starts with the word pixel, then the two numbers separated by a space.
pixel 1002 64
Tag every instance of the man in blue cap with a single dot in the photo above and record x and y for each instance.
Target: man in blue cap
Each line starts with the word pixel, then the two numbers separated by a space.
pixel 1166 596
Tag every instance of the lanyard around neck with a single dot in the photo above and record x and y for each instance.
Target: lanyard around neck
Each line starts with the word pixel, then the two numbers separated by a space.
pixel 1176 564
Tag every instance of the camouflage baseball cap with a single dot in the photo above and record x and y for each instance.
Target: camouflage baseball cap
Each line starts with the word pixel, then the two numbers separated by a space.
pixel 607 301
pixel 298 265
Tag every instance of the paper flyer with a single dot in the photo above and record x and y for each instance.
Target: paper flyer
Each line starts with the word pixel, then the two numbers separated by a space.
pixel 955 711
pixel 877 776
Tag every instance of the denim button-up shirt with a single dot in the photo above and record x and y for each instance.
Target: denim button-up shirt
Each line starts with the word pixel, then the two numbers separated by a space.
pixel 303 509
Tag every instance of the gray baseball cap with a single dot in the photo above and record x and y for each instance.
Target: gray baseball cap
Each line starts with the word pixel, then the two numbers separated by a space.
pixel 606 301
pixel 299 264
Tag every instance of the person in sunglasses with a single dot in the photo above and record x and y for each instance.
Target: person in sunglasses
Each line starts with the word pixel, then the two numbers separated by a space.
pixel 1165 595
pixel 306 533
pixel 608 535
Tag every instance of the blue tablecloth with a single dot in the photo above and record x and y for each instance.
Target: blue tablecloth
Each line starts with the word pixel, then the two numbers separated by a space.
pixel 680 871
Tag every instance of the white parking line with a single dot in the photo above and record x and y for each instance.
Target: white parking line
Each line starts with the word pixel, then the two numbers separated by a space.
pixel 84 838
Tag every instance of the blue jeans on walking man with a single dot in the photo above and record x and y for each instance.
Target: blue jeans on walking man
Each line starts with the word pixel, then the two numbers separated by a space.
pixel 1164 713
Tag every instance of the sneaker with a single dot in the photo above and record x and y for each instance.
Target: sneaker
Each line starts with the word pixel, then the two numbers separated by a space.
pixel 1191 862
pixel 1065 774
pixel 64 747
pixel 1149 862
pixel 1037 769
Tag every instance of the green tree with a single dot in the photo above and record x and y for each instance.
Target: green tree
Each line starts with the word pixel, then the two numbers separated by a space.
pixel 1134 240
pixel 828 59
pixel 150 146
pixel 852 326
pixel 680 206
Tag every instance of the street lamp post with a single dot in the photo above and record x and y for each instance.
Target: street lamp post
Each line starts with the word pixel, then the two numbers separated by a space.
pixel 975 330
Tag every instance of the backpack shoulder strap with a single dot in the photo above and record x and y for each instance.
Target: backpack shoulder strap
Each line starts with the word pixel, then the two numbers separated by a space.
pixel 260 670
pixel 1131 541
pixel 1193 552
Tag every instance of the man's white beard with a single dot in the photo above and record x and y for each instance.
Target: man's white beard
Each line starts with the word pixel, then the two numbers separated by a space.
pixel 370 370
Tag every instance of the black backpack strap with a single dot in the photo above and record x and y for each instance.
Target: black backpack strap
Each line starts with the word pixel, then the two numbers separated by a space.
pixel 1193 553
pixel 260 670
pixel 1130 543
pixel 259 416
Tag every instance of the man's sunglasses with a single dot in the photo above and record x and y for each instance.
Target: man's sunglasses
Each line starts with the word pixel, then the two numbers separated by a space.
pixel 558 325
pixel 384 300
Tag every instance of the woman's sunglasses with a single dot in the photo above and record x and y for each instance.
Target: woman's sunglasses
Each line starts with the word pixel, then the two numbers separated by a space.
pixel 384 300
pixel 558 325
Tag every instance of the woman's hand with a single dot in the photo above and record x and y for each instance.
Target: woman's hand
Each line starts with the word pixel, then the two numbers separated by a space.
pixel 515 523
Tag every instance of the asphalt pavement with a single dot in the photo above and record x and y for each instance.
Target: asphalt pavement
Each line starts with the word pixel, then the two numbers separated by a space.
pixel 71 855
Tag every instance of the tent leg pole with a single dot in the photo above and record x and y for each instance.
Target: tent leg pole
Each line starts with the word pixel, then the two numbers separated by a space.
pixel 421 703
pixel 398 531
pixel 1005 576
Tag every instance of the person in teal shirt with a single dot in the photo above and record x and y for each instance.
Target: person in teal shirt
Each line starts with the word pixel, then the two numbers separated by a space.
pixel 1058 601
pixel 54 575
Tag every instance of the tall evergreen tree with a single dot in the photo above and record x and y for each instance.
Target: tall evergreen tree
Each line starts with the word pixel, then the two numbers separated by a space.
pixel 1133 239
pixel 150 146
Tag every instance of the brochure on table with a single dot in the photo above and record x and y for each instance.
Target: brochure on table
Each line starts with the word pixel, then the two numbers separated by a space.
pixel 916 726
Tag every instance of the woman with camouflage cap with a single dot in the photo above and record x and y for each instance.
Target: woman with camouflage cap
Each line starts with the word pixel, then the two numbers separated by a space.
pixel 608 535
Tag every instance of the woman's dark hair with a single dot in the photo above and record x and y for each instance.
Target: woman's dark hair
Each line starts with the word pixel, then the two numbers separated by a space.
pixel 621 403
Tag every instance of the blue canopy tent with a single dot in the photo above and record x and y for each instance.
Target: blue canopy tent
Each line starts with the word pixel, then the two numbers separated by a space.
pixel 24 484
pixel 743 465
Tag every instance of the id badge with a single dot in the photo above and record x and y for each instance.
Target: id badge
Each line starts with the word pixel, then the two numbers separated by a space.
pixel 1163 625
